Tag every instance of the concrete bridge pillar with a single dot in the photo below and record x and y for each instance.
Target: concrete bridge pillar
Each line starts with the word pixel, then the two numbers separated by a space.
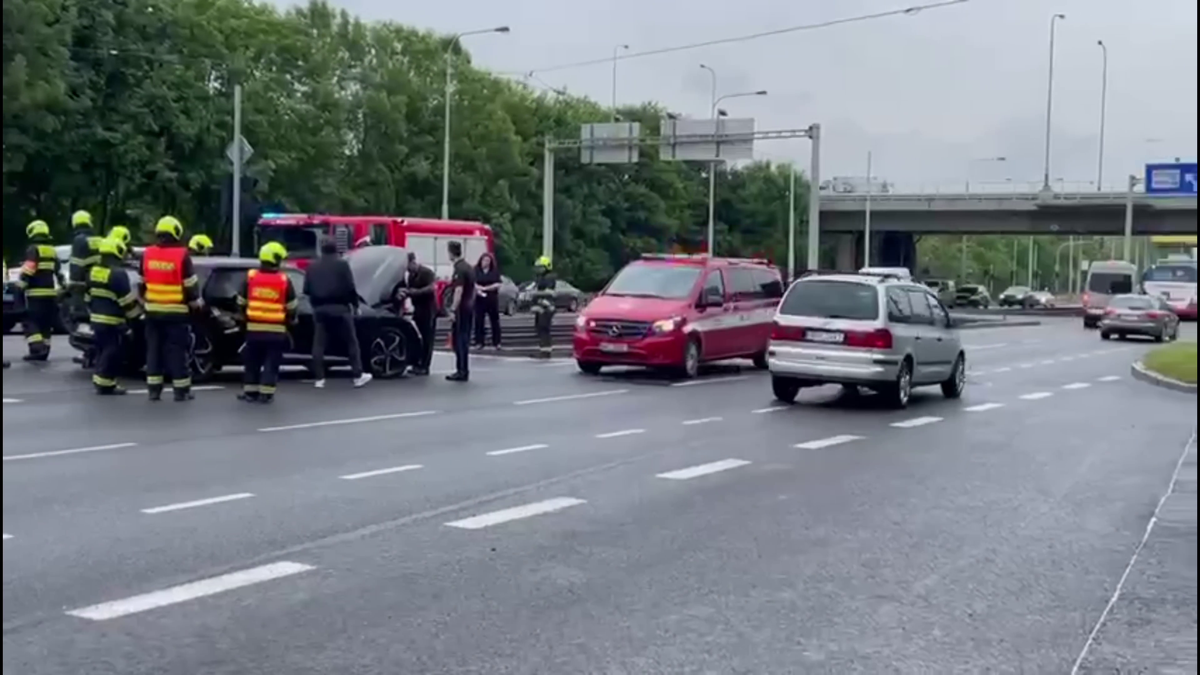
pixel 897 249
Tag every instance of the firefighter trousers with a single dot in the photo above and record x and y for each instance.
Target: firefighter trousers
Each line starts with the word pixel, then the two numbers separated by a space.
pixel 542 322
pixel 262 357
pixel 41 314
pixel 168 345
pixel 107 345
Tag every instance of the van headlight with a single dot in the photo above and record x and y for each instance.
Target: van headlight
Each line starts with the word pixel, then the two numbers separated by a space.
pixel 582 322
pixel 666 325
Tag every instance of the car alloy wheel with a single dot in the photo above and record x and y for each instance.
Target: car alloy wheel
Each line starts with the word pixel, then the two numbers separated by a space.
pixel 954 386
pixel 691 359
pixel 389 354
pixel 904 385
pixel 202 356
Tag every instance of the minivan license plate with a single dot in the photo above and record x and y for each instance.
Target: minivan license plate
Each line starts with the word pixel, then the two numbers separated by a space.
pixel 614 347
pixel 826 336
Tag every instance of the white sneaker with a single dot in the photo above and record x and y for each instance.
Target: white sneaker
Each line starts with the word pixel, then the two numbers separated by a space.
pixel 319 384
pixel 362 380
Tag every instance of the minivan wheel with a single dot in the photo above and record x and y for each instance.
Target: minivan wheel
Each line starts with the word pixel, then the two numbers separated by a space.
pixel 786 389
pixel 954 385
pixel 588 367
pixel 691 359
pixel 760 361
pixel 1105 335
pixel 899 393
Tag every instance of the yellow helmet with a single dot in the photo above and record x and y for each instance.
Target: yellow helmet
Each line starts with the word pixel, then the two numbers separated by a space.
pixel 543 261
pixel 81 219
pixel 169 225
pixel 200 244
pixel 121 234
pixel 272 253
pixel 113 246
pixel 37 228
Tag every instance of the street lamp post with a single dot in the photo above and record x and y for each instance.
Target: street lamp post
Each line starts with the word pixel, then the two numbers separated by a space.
pixel 712 169
pixel 867 217
pixel 1050 102
pixel 446 119
pixel 616 50
pixel 1103 112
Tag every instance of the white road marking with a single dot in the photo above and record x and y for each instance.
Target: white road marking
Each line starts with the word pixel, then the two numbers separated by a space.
pixel 828 442
pixel 1047 362
pixel 983 407
pixel 572 397
pixel 1109 378
pixel 1005 369
pixel 1025 366
pixel 703 469
pixel 75 451
pixel 702 420
pixel 201 387
pixel 714 380
pixel 381 472
pixel 772 409
pixel 523 448
pixel 979 348
pixel 1068 358
pixel 516 513
pixel 916 422
pixel 199 502
pixel 191 591
pixel 355 420
pixel 7 536
pixel 12 400
pixel 1076 385
pixel 1036 396
pixel 623 432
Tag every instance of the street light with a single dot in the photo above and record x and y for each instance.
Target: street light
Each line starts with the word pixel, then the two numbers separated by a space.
pixel 1103 110
pixel 616 50
pixel 712 167
pixel 1050 102
pixel 446 120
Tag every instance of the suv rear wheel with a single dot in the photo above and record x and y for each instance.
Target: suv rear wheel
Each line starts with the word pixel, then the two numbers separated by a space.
pixel 898 394
pixel 786 389
pixel 954 385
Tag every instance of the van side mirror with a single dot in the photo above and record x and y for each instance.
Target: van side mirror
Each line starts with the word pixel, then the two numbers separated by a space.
pixel 712 297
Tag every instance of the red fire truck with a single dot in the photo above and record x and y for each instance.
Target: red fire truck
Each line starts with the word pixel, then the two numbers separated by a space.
pixel 427 237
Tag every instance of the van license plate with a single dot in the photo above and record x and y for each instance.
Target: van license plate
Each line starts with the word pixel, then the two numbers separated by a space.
pixel 826 336
pixel 614 347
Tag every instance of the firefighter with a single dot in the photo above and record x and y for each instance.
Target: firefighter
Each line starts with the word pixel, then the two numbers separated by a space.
pixel 112 301
pixel 7 363
pixel 121 234
pixel 41 278
pixel 270 304
pixel 200 245
pixel 85 252
pixel 543 304
pixel 171 289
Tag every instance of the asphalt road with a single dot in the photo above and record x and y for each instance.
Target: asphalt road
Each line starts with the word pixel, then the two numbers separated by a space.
pixel 540 521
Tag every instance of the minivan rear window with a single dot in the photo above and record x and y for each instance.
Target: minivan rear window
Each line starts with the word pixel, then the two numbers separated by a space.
pixel 832 300
pixel 1110 283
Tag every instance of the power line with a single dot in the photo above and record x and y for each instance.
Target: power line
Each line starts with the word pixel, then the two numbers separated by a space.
pixel 743 38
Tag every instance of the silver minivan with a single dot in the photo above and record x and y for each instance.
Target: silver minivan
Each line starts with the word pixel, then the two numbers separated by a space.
pixel 883 333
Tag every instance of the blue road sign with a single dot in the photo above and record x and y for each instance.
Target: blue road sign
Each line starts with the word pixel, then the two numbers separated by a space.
pixel 1171 179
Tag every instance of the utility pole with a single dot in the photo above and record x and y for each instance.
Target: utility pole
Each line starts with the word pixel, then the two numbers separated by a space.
pixel 867 217
pixel 237 159
pixel 1050 102
pixel 792 224
pixel 616 50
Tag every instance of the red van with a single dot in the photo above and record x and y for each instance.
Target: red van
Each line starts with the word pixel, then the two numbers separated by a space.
pixel 678 311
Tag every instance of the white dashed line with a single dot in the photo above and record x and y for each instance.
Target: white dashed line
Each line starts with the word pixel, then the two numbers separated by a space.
pixel 354 420
pixel 703 469
pixel 75 451
pixel 516 513
pixel 199 502
pixel 916 422
pixel 381 472
pixel 702 420
pixel 774 408
pixel 1036 396
pixel 572 397
pixel 513 451
pixel 623 432
pixel 828 442
pixel 12 400
pixel 983 407
pixel 202 387
pixel 1025 366
pixel 7 536
pixel 1076 385
pixel 1002 370
pixel 980 348
pixel 192 591
pixel 713 380
pixel 1109 378
pixel 1047 362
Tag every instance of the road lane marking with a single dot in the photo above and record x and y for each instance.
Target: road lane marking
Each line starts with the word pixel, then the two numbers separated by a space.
pixel 381 472
pixel 1068 358
pixel 979 348
pixel 201 387
pixel 1005 369
pixel 1025 366
pixel 1109 378
pixel 12 400
pixel 772 409
pixel 916 422
pixel 702 420
pixel 523 448
pixel 713 380
pixel 703 469
pixel 984 407
pixel 74 451
pixel 1047 362
pixel 198 503
pixel 190 591
pixel 572 397
pixel 354 420
pixel 623 432
pixel 1076 385
pixel 516 513
pixel 7 536
pixel 828 442
pixel 1036 396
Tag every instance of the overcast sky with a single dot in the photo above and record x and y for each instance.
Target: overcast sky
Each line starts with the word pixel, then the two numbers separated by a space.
pixel 932 95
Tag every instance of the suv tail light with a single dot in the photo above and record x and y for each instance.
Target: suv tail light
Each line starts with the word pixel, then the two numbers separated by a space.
pixel 787 333
pixel 1154 314
pixel 876 339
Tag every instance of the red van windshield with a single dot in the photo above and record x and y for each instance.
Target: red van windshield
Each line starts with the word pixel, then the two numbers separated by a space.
pixel 666 281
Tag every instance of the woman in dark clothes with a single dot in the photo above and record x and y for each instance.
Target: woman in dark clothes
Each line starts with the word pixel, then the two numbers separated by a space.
pixel 487 298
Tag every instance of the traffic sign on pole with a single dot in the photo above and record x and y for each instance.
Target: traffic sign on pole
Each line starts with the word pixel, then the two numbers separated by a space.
pixel 621 147
pixel 1171 179
pixel 231 151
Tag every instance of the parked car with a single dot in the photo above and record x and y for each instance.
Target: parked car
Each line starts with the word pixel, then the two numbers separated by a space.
pixel 508 296
pixel 1106 279
pixel 1146 315
pixel 388 341
pixel 678 311
pixel 1014 296
pixel 945 289
pixel 973 296
pixel 14 309
pixel 566 297
pixel 881 333
pixel 1040 300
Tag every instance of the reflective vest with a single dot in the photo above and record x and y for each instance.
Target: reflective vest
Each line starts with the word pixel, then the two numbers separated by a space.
pixel 162 272
pixel 110 300
pixel 39 272
pixel 266 306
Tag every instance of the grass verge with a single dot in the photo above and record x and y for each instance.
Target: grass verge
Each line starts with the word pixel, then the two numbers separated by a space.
pixel 1177 361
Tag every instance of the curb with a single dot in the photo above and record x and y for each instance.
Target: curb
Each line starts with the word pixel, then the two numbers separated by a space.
pixel 1140 372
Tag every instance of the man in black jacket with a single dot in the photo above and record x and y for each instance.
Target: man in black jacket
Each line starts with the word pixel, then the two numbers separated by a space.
pixel 330 288
pixel 420 287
